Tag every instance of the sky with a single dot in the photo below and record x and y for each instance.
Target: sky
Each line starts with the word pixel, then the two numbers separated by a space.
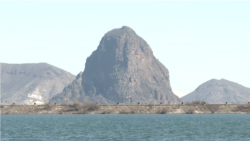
pixel 196 41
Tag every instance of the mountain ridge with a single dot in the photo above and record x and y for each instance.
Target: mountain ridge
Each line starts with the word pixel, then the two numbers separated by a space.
pixel 30 83
pixel 218 92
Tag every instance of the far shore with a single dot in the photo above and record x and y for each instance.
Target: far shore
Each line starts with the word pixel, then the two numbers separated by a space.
pixel 191 108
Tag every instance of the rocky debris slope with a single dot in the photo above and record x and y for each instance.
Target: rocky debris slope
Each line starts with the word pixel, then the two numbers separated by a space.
pixel 32 83
pixel 219 92
pixel 122 69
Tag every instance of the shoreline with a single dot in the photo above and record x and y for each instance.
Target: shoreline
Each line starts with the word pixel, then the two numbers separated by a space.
pixel 126 109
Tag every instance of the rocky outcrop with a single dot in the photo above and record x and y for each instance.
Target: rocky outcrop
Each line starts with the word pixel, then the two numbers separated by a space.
pixel 218 92
pixel 32 83
pixel 122 69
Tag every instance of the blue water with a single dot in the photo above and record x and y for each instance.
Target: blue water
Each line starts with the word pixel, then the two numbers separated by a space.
pixel 208 127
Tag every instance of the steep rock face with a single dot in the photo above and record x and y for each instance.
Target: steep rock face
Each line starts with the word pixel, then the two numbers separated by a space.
pixel 32 83
pixel 123 69
pixel 218 92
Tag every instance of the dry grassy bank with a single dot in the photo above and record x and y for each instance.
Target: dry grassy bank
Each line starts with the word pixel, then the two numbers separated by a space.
pixel 76 108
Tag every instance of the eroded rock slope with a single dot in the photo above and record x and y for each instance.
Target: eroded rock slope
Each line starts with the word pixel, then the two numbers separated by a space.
pixel 218 92
pixel 32 83
pixel 122 69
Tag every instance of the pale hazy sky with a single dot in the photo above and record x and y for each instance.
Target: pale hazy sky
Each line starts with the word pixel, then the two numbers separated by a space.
pixel 196 41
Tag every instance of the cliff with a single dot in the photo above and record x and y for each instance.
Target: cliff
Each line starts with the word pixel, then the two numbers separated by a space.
pixel 122 69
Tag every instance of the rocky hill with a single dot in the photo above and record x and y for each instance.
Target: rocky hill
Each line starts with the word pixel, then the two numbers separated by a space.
pixel 218 92
pixel 122 69
pixel 29 83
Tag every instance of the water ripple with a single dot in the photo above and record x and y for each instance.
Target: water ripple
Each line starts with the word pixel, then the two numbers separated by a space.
pixel 125 127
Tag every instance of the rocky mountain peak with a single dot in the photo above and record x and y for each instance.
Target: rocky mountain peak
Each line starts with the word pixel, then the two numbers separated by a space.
pixel 123 69
pixel 121 32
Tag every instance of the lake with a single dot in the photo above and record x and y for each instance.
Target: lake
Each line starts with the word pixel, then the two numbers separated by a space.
pixel 184 127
